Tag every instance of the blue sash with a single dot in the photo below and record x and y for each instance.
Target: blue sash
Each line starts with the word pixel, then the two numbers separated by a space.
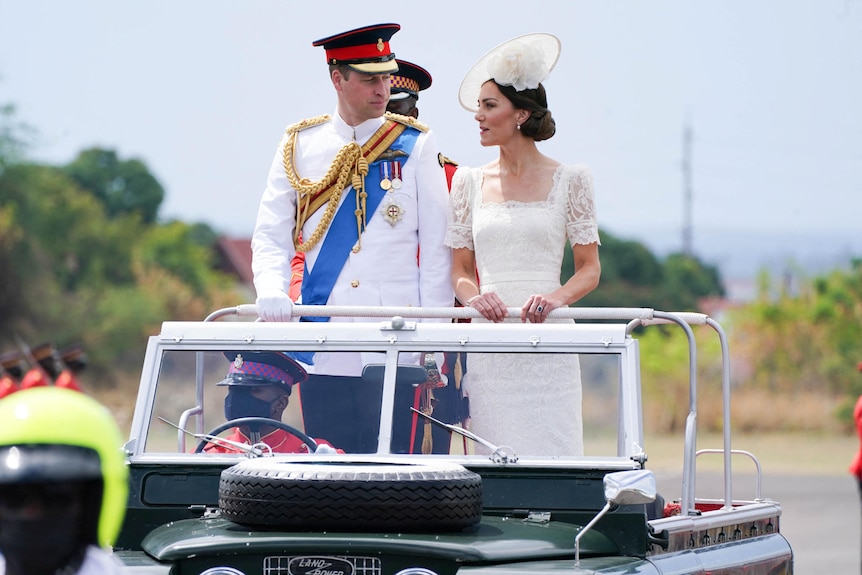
pixel 318 282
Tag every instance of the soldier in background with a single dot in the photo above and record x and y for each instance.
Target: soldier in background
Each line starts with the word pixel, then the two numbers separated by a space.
pixel 44 367
pixel 856 464
pixel 73 360
pixel 11 369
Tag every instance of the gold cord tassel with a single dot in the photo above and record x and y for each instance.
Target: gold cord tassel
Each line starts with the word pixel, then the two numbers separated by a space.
pixel 358 181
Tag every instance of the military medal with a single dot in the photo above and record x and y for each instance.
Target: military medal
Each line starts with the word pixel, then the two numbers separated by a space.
pixel 385 182
pixel 392 212
pixel 396 174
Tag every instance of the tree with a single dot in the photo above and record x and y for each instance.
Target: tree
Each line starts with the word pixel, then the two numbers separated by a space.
pixel 15 137
pixel 632 276
pixel 808 340
pixel 123 187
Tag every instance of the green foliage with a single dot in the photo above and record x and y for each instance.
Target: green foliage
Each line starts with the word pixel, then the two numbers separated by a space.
pixel 69 235
pixel 810 340
pixel 182 250
pixel 632 276
pixel 665 370
pixel 123 187
pixel 77 270
pixel 15 137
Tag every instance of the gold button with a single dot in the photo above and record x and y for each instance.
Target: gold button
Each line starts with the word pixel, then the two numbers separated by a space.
pixel 354 283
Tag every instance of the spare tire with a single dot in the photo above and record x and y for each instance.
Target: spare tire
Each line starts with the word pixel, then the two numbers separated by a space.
pixel 350 496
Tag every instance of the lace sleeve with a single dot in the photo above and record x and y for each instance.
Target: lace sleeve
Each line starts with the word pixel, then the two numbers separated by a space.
pixel 581 224
pixel 459 231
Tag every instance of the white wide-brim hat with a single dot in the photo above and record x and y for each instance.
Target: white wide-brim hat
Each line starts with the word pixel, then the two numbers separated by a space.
pixel 521 62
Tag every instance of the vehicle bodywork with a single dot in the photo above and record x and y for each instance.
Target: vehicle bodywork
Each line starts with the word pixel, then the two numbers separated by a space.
pixel 589 513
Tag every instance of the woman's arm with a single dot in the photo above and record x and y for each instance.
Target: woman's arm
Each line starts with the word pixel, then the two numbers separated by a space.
pixel 588 270
pixel 466 287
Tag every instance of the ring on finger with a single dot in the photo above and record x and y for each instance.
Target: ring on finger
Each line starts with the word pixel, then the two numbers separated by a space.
pixel 539 309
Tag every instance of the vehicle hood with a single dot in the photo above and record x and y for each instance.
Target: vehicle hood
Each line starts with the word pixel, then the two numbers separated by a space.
pixel 493 540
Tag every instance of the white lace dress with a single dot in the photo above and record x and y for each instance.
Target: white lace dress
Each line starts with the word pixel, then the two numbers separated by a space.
pixel 532 405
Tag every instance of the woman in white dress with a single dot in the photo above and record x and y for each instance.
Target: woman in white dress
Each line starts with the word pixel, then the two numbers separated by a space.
pixel 509 220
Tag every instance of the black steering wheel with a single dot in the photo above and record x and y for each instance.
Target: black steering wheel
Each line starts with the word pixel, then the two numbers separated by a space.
pixel 256 423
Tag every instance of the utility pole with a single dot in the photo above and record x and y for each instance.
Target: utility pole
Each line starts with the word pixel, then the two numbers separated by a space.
pixel 687 241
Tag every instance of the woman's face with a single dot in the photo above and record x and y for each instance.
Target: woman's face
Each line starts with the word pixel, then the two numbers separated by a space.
pixel 497 116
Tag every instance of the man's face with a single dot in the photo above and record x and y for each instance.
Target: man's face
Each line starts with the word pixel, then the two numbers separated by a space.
pixel 404 106
pixel 256 401
pixel 361 97
pixel 41 524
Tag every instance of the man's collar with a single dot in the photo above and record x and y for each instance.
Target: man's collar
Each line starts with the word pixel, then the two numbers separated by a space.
pixel 361 132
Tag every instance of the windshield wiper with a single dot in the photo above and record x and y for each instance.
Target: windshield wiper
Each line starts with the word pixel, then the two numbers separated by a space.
pixel 256 450
pixel 500 454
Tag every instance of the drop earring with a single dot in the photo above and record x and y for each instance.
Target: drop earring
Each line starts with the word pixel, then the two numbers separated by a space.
pixel 518 126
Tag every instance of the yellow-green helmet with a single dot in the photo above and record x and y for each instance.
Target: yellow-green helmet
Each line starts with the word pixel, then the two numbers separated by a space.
pixel 56 417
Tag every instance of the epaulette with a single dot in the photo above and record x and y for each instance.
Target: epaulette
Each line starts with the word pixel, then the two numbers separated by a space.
pixel 444 160
pixel 407 121
pixel 308 123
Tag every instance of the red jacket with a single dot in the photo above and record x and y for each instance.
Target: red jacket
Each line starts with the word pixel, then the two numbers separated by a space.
pixel 8 386
pixel 856 465
pixel 279 440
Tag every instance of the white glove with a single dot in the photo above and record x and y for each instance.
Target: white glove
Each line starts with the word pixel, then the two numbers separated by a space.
pixel 274 305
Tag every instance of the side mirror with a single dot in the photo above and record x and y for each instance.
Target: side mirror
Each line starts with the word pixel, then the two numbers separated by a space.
pixel 621 488
pixel 630 487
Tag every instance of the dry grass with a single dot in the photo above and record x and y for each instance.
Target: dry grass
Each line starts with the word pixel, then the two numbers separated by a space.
pixel 752 411
pixel 794 453
pixel 778 453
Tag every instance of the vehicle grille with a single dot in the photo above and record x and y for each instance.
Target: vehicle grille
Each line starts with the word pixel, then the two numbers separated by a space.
pixel 320 565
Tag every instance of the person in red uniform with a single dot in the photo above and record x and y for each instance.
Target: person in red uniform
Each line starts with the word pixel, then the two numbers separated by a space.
pixel 856 464
pixel 73 360
pixel 45 370
pixel 259 385
pixel 11 369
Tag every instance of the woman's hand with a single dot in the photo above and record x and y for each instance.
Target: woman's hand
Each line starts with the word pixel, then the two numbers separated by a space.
pixel 538 307
pixel 490 306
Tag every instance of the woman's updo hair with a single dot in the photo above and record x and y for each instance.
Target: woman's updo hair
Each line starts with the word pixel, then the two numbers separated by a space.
pixel 540 125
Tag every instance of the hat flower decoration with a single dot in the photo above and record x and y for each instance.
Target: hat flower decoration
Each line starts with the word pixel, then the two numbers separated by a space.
pixel 523 63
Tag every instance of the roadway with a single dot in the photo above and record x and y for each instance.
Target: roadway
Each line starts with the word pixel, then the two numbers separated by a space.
pixel 820 514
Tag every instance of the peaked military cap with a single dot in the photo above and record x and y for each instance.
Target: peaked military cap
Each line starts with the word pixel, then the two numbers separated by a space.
pixel 409 80
pixel 73 356
pixel 364 49
pixel 251 368
pixel 13 363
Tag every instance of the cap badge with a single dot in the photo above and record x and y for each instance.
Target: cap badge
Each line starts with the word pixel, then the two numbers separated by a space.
pixel 380 45
pixel 237 362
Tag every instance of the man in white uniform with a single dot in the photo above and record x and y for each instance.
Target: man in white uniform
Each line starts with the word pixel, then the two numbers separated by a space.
pixel 359 193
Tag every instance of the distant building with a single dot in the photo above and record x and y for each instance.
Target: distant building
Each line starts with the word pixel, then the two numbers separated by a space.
pixel 234 258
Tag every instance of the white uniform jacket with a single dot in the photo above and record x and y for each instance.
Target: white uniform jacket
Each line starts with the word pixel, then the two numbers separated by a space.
pixel 385 271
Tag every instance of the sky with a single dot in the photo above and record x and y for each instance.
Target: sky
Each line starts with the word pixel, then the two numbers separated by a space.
pixel 201 91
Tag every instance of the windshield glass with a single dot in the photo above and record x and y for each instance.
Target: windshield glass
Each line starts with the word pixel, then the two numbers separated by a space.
pixel 534 404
